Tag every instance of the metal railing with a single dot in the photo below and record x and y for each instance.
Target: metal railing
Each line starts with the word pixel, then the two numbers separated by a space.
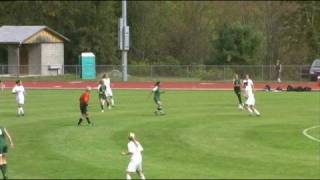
pixel 161 72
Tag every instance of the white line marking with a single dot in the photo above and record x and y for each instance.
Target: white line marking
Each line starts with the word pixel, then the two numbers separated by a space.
pixel 304 132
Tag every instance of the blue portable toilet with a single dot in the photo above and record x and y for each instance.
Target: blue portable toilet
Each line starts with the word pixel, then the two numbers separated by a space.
pixel 87 63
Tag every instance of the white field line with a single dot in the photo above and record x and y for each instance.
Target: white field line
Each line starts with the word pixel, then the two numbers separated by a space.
pixel 305 132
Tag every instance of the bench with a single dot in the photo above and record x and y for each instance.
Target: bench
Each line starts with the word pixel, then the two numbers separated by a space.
pixel 55 67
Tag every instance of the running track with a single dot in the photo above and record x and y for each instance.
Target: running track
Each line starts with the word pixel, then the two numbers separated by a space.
pixel 148 85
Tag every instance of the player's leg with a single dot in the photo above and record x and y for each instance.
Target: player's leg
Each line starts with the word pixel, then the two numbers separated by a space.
pixel 139 171
pixel 255 110
pixel 159 108
pixel 4 167
pixel 87 118
pixel 128 175
pixel 3 161
pixel 102 102
pixel 82 116
pixel 109 104
pixel 21 109
pixel 1 165
pixel 111 97
pixel 112 101
pixel 20 105
pixel 130 170
pixel 239 99
pixel 247 106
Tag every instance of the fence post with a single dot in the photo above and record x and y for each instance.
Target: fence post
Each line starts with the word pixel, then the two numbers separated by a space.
pixel 270 78
pixel 188 70
pixel 224 72
pixel 262 72
pixel 151 71
pixel 300 72
pixel 76 72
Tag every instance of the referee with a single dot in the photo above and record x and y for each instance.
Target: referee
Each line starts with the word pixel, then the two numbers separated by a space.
pixel 84 101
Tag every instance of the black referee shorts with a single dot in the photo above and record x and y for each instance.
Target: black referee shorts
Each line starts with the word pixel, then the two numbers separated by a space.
pixel 84 108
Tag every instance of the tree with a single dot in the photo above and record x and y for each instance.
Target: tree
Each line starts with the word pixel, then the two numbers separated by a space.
pixel 236 44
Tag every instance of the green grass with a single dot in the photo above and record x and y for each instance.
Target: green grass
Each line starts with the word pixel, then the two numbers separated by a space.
pixel 203 135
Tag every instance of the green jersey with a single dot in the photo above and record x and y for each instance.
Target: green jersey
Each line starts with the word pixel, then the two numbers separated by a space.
pixel 2 137
pixel 236 82
pixel 102 91
pixel 156 93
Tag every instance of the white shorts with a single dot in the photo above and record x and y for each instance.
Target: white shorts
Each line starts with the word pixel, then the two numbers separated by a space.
pixel 109 92
pixel 134 166
pixel 20 100
pixel 250 101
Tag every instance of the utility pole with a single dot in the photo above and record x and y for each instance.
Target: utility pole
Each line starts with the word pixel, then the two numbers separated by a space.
pixel 123 40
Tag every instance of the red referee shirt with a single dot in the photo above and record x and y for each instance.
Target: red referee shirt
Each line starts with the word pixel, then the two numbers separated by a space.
pixel 84 98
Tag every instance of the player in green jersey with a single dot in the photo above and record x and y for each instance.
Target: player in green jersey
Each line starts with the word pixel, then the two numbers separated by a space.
pixel 102 92
pixel 3 150
pixel 156 97
pixel 237 89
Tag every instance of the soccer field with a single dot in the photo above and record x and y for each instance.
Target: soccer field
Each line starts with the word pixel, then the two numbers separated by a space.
pixel 203 135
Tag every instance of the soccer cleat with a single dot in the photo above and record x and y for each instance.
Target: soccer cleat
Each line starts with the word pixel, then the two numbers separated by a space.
pixel 162 113
pixel 102 110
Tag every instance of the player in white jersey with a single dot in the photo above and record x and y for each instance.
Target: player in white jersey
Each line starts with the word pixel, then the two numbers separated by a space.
pixel 249 81
pixel 135 151
pixel 106 80
pixel 19 91
pixel 250 102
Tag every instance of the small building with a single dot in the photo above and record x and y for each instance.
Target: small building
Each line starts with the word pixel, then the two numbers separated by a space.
pixel 33 50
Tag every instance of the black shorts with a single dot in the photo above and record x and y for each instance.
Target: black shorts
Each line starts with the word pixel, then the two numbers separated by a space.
pixel 84 108
pixel 237 89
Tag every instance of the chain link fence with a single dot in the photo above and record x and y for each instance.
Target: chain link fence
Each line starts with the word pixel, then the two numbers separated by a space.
pixel 164 72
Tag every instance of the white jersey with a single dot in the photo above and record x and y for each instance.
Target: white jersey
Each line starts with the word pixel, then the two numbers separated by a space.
pixel 19 91
pixel 250 96
pixel 135 149
pixel 107 82
pixel 250 84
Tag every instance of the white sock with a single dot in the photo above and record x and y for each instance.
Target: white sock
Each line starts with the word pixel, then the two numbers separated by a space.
pixel 22 111
pixel 18 111
pixel 128 177
pixel 142 176
pixel 112 102
pixel 249 109
pixel 256 111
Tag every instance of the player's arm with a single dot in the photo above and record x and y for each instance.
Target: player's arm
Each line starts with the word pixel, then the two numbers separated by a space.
pixel 151 92
pixel 253 90
pixel 14 91
pixel 126 153
pixel 9 137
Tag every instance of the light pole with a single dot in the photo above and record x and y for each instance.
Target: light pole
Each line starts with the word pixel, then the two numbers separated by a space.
pixel 124 40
